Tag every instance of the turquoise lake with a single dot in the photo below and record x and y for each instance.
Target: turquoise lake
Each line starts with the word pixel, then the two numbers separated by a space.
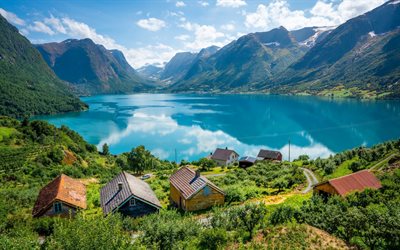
pixel 194 125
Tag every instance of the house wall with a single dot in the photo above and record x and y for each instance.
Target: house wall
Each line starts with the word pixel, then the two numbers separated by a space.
pixel 139 209
pixel 221 162
pixel 174 195
pixel 325 188
pixel 66 211
pixel 205 199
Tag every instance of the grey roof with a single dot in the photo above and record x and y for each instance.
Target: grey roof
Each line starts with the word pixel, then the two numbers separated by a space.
pixel 222 154
pixel 248 159
pixel 188 184
pixel 111 198
pixel 269 154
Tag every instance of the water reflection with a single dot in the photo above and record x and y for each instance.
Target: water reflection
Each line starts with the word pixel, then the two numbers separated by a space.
pixel 195 125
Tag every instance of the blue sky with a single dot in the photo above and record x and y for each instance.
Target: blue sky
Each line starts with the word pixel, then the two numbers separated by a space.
pixel 153 31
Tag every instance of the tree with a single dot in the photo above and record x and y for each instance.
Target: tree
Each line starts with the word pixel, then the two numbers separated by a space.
pixel 280 184
pixel 106 149
pixel 213 239
pixel 282 214
pixel 251 217
pixel 138 159
pixel 206 164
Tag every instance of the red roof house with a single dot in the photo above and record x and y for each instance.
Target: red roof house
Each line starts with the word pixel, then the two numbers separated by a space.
pixel 344 185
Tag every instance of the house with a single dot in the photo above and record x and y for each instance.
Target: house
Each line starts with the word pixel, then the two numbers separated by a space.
pixel 344 185
pixel 191 192
pixel 63 197
pixel 269 155
pixel 247 161
pixel 225 156
pixel 129 196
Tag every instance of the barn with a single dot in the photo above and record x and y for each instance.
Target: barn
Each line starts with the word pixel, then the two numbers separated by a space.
pixel 344 185
pixel 129 196
pixel 62 197
pixel 269 155
pixel 191 192
pixel 247 161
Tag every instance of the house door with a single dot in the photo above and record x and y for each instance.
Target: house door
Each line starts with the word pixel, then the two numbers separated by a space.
pixel 180 202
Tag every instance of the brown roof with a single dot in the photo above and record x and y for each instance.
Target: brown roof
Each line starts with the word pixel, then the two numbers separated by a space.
pixel 269 154
pixel 62 188
pixel 357 181
pixel 222 154
pixel 188 185
pixel 111 198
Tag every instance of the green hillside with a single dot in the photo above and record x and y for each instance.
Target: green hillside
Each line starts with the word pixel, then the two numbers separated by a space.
pixel 27 84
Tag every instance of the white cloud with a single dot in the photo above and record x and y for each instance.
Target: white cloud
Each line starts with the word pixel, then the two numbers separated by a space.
pixel 11 17
pixel 278 13
pixel 204 36
pixel 203 3
pixel 228 27
pixel 55 23
pixel 41 27
pixel 152 24
pixel 180 4
pixel 182 37
pixel 231 3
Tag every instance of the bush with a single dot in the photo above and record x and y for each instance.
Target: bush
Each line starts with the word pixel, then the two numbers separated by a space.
pixel 282 215
pixel 214 238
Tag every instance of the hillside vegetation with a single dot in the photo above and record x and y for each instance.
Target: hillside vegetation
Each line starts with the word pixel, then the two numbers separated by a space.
pixel 27 84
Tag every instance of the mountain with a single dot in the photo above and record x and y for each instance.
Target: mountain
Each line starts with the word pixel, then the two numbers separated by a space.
pixel 362 54
pixel 151 71
pixel 178 65
pixel 243 63
pixel 91 68
pixel 27 85
pixel 309 36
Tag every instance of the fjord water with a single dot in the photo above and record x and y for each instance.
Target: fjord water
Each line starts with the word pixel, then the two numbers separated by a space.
pixel 194 125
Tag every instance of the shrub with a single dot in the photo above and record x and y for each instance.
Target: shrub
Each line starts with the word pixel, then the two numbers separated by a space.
pixel 214 238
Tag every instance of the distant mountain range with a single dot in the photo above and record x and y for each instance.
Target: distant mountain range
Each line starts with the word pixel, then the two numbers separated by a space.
pixel 27 85
pixel 91 68
pixel 360 58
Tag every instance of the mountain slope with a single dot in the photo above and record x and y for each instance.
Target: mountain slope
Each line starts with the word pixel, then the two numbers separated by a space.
pixel 91 68
pixel 362 53
pixel 27 84
pixel 243 63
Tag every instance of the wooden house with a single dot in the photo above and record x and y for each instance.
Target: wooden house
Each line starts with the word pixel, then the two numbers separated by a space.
pixel 129 196
pixel 269 155
pixel 224 157
pixel 247 161
pixel 191 192
pixel 344 185
pixel 63 197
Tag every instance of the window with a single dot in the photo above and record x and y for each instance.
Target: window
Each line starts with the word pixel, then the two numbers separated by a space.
pixel 132 202
pixel 57 207
pixel 206 191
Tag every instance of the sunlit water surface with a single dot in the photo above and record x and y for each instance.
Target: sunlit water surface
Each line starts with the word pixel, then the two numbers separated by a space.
pixel 194 125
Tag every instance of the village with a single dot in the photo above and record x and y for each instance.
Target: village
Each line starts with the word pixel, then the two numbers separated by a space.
pixel 189 190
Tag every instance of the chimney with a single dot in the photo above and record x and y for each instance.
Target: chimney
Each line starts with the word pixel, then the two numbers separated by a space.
pixel 226 148
pixel 119 186
pixel 197 174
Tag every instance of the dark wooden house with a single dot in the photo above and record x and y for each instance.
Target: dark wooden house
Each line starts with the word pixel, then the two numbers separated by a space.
pixel 129 196
pixel 191 192
pixel 224 157
pixel 269 155
pixel 247 161
pixel 344 185
pixel 63 197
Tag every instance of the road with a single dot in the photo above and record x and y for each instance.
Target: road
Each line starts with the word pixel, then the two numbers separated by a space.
pixel 311 180
pixel 377 164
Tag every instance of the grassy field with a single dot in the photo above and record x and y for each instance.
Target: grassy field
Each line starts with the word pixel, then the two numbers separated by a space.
pixel 6 132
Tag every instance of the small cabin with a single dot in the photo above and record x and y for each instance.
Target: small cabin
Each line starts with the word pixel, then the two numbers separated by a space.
pixel 224 157
pixel 269 155
pixel 63 197
pixel 247 161
pixel 344 185
pixel 190 191
pixel 129 196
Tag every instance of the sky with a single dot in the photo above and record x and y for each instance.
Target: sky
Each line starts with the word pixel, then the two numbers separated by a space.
pixel 152 31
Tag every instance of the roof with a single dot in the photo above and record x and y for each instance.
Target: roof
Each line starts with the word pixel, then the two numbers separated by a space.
pixel 248 159
pixel 62 188
pixel 269 154
pixel 188 185
pixel 357 181
pixel 111 198
pixel 222 154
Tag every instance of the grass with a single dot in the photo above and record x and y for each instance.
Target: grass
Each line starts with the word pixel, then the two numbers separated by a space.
pixel 6 132
pixel 216 170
